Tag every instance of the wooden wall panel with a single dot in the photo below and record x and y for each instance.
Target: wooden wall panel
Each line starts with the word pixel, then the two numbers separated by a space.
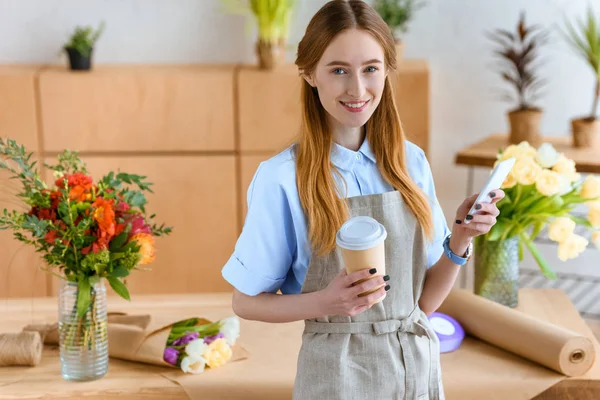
pixel 269 108
pixel 20 274
pixel 18 118
pixel 138 108
pixel 249 164
pixel 197 196
pixel 412 100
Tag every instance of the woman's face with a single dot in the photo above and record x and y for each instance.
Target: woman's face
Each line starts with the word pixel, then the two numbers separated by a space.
pixel 350 77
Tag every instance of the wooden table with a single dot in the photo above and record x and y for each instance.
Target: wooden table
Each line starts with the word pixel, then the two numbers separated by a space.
pixel 267 374
pixel 484 152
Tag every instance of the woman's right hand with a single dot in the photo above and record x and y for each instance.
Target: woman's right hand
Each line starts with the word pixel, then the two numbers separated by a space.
pixel 340 297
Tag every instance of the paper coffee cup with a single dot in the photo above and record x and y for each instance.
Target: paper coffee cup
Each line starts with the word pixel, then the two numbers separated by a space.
pixel 361 242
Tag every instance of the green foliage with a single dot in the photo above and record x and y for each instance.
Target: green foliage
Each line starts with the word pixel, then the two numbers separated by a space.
pixel 397 13
pixel 586 42
pixel 84 38
pixel 62 226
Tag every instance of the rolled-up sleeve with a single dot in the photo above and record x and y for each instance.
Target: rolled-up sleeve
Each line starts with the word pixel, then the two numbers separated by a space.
pixel 264 251
pixel 440 226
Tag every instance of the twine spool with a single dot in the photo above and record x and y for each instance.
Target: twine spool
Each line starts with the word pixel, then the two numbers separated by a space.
pixel 23 348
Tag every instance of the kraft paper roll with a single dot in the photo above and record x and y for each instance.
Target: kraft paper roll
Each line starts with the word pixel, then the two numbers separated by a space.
pixel 23 348
pixel 557 348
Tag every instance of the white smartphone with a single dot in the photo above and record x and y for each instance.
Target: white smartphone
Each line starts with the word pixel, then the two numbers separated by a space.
pixel 494 182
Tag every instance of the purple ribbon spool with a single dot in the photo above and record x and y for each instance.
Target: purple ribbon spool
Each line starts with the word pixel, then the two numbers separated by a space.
pixel 448 330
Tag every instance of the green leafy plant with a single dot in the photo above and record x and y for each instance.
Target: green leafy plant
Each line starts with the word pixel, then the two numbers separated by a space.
pixel 85 231
pixel 586 43
pixel 272 17
pixel 397 14
pixel 84 38
pixel 518 52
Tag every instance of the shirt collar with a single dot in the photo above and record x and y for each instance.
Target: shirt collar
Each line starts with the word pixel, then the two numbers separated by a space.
pixel 345 158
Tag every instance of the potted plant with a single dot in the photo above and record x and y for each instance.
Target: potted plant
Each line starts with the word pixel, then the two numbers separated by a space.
pixel 518 52
pixel 397 14
pixel 87 232
pixel 542 189
pixel 81 45
pixel 586 43
pixel 273 21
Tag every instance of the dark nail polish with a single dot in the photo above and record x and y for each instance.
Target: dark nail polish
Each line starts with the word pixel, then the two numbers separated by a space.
pixel 458 221
pixel 469 217
pixel 478 206
pixel 492 194
pixel 386 278
pixel 387 288
pixel 372 271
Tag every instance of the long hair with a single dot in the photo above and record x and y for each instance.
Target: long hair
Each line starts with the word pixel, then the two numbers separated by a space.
pixel 319 195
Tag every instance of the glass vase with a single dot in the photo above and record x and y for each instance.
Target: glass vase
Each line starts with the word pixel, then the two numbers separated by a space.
pixel 497 270
pixel 83 339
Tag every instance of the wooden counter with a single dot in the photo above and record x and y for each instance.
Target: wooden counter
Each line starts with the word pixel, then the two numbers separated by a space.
pixel 484 152
pixel 269 371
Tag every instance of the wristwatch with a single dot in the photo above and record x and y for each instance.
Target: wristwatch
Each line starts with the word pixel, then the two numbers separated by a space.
pixel 455 258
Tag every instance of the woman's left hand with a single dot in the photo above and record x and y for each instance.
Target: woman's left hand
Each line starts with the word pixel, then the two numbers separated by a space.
pixel 481 222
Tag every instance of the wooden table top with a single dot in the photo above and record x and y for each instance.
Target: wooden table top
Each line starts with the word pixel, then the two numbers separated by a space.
pixel 268 373
pixel 483 153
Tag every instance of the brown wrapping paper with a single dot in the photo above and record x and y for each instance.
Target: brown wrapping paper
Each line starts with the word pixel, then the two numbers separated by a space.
pixel 140 338
pixel 554 347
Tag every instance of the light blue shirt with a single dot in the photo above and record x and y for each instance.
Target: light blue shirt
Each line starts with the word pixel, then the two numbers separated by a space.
pixel 273 252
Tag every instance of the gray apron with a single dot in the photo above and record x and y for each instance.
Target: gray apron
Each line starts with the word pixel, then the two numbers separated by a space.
pixel 389 351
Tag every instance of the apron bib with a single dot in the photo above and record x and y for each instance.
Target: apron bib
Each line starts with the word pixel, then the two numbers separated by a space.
pixel 389 351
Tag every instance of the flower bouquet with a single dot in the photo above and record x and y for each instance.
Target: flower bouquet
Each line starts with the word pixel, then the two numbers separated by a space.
pixel 542 189
pixel 88 232
pixel 193 345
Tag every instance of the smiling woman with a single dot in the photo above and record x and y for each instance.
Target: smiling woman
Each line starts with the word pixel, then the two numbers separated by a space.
pixel 351 160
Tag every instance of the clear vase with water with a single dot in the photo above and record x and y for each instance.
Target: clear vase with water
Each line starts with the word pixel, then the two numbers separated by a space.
pixel 497 270
pixel 83 339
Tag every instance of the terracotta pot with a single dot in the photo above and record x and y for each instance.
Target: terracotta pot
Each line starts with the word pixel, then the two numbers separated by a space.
pixel 269 55
pixel 525 126
pixel 585 132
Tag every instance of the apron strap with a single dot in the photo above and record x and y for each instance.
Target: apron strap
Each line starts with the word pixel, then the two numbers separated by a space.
pixel 402 327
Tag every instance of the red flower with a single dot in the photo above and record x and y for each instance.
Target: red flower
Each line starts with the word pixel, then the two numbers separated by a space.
pixel 80 186
pixel 50 236
pixel 122 207
pixel 138 225
pixel 105 216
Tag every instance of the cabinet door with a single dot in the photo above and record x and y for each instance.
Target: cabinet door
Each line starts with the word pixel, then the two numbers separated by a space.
pixel 138 108
pixel 249 164
pixel 196 195
pixel 20 265
pixel 269 108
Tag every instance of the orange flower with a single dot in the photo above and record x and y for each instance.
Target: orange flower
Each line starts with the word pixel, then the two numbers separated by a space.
pixel 105 216
pixel 146 243
pixel 80 186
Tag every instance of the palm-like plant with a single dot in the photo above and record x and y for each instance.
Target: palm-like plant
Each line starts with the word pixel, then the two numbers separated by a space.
pixel 519 51
pixel 587 44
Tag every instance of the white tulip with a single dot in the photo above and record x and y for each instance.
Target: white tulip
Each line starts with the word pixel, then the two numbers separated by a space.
pixel 193 365
pixel 546 155
pixel 196 348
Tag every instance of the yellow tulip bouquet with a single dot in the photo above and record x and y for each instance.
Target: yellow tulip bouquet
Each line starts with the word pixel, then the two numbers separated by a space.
pixel 543 188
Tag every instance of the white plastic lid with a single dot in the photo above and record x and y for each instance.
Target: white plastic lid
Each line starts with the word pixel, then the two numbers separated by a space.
pixel 360 233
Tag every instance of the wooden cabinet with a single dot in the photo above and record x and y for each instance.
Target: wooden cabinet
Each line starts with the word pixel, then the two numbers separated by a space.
pixel 198 132
pixel 124 108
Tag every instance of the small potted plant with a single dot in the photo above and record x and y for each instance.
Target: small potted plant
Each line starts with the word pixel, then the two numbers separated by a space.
pixel 81 45
pixel 397 14
pixel 518 52
pixel 273 21
pixel 586 43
